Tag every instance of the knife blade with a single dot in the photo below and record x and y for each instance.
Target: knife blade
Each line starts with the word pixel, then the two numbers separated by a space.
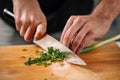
pixel 48 41
pixel 118 43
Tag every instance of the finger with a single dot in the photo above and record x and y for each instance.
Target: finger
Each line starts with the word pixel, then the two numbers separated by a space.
pixel 71 32
pixel 78 39
pixel 24 27
pixel 18 23
pixel 88 38
pixel 68 24
pixel 41 30
pixel 30 32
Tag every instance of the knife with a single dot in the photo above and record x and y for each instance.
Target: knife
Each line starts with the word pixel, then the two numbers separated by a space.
pixel 48 41
pixel 118 43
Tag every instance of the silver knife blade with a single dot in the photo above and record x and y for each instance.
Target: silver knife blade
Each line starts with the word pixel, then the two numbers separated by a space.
pixel 118 43
pixel 48 41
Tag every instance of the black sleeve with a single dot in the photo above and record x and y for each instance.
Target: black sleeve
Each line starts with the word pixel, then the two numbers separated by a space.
pixel 6 4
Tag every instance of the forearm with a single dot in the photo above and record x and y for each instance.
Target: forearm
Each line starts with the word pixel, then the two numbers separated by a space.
pixel 31 2
pixel 107 9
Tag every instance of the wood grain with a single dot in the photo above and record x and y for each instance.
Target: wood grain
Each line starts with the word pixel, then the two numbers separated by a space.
pixel 102 63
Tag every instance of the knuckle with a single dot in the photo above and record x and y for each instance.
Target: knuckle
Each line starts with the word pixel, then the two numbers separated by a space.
pixel 72 17
pixel 33 22
pixel 33 19
pixel 17 21
pixel 25 22
pixel 18 18
pixel 79 19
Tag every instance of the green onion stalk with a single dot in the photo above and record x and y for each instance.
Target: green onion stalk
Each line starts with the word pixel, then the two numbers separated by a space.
pixel 89 48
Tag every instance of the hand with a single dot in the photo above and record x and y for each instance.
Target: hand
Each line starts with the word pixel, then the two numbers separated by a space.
pixel 80 30
pixel 30 20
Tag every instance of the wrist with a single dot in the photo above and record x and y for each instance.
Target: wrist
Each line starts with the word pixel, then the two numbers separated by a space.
pixel 107 10
pixel 19 1
pixel 104 16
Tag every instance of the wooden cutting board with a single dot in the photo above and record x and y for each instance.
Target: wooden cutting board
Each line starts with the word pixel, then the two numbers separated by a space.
pixel 102 64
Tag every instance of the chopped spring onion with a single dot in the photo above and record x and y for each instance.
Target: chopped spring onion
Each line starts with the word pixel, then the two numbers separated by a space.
pixel 23 57
pixel 45 78
pixel 89 48
pixel 47 58
pixel 24 49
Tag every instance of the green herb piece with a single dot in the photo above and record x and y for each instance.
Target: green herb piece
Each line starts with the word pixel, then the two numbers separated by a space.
pixel 45 64
pixel 38 52
pixel 89 48
pixel 24 49
pixel 46 58
pixel 23 57
pixel 29 62
pixel 45 78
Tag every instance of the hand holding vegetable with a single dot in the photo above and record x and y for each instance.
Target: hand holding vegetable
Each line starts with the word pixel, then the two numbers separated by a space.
pixel 80 30
pixel 30 20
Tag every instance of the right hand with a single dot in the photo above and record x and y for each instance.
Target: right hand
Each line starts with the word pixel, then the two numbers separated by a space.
pixel 81 30
pixel 29 18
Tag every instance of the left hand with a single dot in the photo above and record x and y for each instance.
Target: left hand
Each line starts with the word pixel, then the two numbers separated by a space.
pixel 80 30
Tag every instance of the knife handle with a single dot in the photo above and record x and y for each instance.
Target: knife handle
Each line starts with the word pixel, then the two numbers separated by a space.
pixel 8 12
